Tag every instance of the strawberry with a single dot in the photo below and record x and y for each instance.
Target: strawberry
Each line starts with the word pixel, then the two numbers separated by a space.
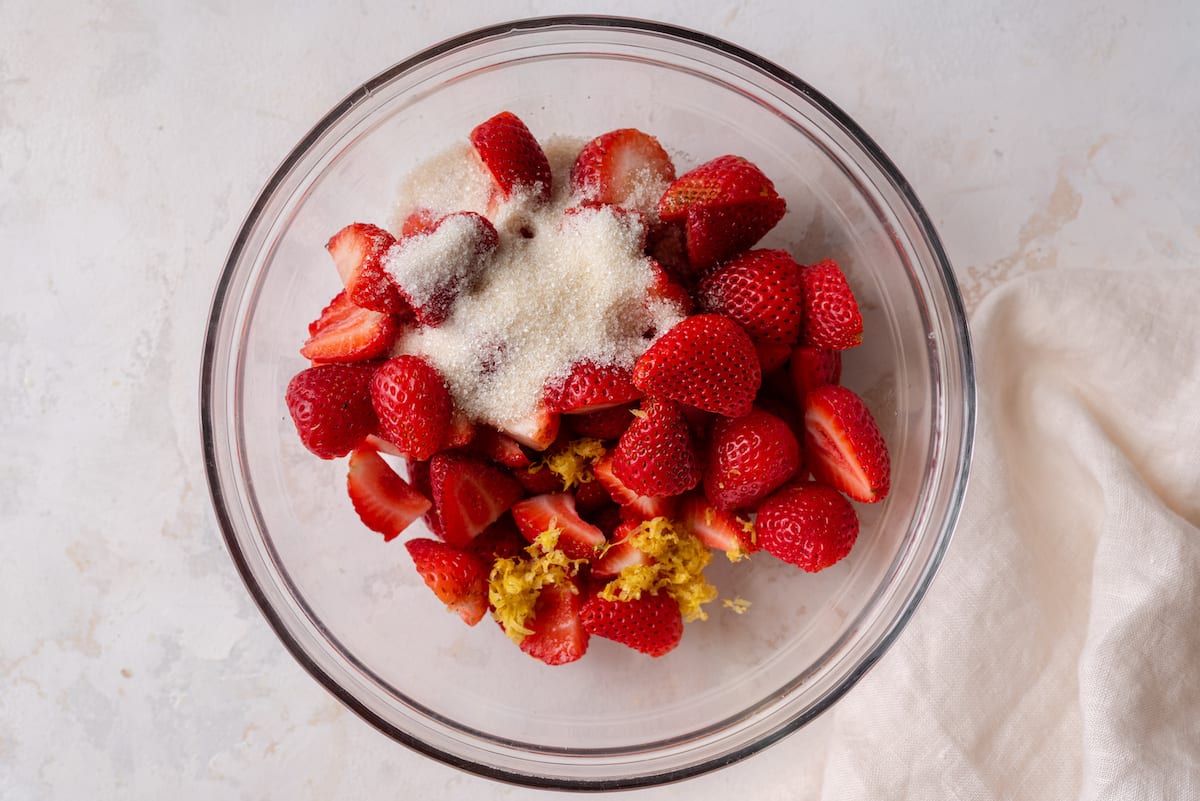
pixel 538 480
pixel 417 222
pixel 590 387
pixel 620 553
pixel 808 525
pixel 469 495
pixel 760 291
pixel 843 445
pixel 619 167
pixel 512 156
pixel 657 454
pixel 666 243
pixel 432 268
pixel 748 458
pixel 413 406
pixel 715 528
pixel 590 496
pixel 666 289
pixel 537 430
pixel 771 355
pixel 500 448
pixel 604 424
pixel 578 539
pixel 418 477
pixel 650 624
pixel 501 540
pixel 558 634
pixel 330 406
pixel 831 317
pixel 706 361
pixel 358 252
pixel 346 333
pixel 633 505
pixel 458 578
pixel 728 205
pixel 384 501
pixel 812 367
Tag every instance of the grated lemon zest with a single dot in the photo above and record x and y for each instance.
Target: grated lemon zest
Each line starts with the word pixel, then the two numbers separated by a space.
pixel 573 464
pixel 678 568
pixel 515 583
pixel 738 605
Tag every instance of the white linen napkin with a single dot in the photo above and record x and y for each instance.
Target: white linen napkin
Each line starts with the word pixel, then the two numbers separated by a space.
pixel 1057 654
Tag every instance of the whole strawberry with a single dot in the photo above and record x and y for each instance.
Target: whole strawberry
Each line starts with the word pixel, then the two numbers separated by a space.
pixel 458 578
pixel 413 405
pixel 832 320
pixel 809 525
pixel 748 458
pixel 650 624
pixel 706 361
pixel 759 290
pixel 657 454
pixel 330 405
pixel 843 444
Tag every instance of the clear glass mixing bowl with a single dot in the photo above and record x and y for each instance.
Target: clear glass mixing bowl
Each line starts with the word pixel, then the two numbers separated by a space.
pixel 353 611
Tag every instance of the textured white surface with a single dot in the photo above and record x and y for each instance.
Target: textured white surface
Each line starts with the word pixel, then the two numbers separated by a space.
pixel 135 135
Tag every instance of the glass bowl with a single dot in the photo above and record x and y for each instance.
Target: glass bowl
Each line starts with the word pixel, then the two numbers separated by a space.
pixel 354 612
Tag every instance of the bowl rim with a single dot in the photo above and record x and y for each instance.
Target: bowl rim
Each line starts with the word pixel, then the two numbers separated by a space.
pixel 956 492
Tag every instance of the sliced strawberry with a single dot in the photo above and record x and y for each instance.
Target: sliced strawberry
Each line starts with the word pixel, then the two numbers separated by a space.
pixel 458 578
pixel 666 289
pixel 590 387
pixel 330 405
pixel 724 531
pixel 706 361
pixel 832 320
pixel 413 405
pixel 808 525
pixel 721 181
pixel 657 454
pixel 381 445
pixel 748 458
pixel 358 252
pixel 432 268
pixel 578 538
pixel 651 623
pixel 604 424
pixel 590 496
pixel 843 445
pixel 469 495
pixel 512 155
pixel 500 448
pixel 666 243
pixel 461 431
pixel 759 290
pixel 384 501
pixel 633 505
pixel 620 553
pixel 346 333
pixel 537 430
pixel 538 479
pixel 418 477
pixel 558 634
pixel 625 167
pixel 418 222
pixel 501 540
pixel 812 367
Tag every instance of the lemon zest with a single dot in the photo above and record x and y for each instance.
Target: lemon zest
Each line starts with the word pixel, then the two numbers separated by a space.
pixel 677 568
pixel 515 584
pixel 573 464
pixel 739 604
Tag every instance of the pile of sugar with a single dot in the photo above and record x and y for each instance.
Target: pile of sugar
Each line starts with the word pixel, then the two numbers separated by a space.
pixel 560 289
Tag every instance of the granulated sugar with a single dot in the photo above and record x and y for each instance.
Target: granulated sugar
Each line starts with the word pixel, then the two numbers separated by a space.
pixel 441 260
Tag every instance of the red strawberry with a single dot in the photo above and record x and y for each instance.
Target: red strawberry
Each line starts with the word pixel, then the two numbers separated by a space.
pixel 590 496
pixel 633 505
pixel 413 406
pixel 501 540
pixel 512 155
pixel 667 290
pixel 831 317
pixel 458 578
pixel 620 553
pixel 358 252
pixel 469 495
pixel 590 387
pixel 538 480
pixel 760 291
pixel 418 476
pixel 771 355
pixel 666 243
pixel 346 333
pixel 558 634
pixel 534 516
pixel 748 457
pixel 713 527
pixel 604 424
pixel 432 268
pixel 706 361
pixel 418 222
pixel 657 454
pixel 843 445
pixel 808 525
pixel 461 431
pixel 500 448
pixel 811 368
pixel 384 501
pixel 537 430
pixel 728 203
pixel 619 166
pixel 330 405
pixel 650 624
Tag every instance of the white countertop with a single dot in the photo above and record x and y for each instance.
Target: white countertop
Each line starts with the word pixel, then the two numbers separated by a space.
pixel 135 135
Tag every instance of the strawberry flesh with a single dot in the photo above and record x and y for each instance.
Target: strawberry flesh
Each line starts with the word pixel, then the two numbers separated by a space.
pixel 384 501
pixel 358 252
pixel 469 495
pixel 619 167
pixel 558 634
pixel 347 333
pixel 590 387
pixel 430 269
pixel 577 538
pixel 843 445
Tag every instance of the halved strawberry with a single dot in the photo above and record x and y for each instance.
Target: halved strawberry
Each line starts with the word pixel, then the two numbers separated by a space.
pixel 578 538
pixel 418 477
pixel 537 430
pixel 384 501
pixel 499 447
pixel 812 367
pixel 347 333
pixel 458 578
pixel 512 155
pixel 666 289
pixel 501 540
pixel 358 251
pixel 418 222
pixel 432 268
pixel 537 479
pixel 651 623
pixel 625 167
pixel 558 634
pixel 706 361
pixel 620 553
pixel 330 405
pixel 633 505
pixel 590 387
pixel 469 495
pixel 843 445
pixel 718 529
pixel 590 496
pixel 748 458
pixel 413 405
pixel 832 320
pixel 604 424
pixel 809 525
pixel 759 290
pixel 461 430
pixel 657 454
